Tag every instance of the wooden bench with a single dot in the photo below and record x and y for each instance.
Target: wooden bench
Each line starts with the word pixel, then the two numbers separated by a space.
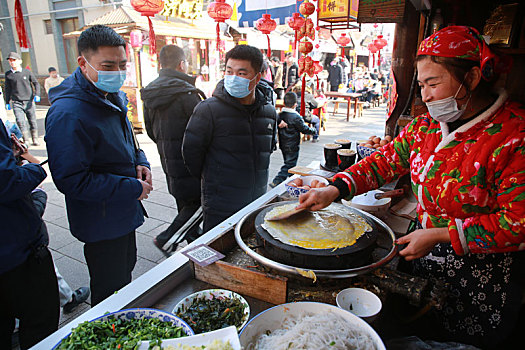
pixel 340 100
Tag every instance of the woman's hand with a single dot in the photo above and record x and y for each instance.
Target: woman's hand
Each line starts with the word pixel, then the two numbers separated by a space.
pixel 421 242
pixel 318 198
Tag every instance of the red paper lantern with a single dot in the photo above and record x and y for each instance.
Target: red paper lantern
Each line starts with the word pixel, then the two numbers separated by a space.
pixel 307 8
pixel 296 22
pixel 266 25
pixel 305 47
pixel 380 42
pixel 220 11
pixel 372 48
pixel 149 8
pixel 343 40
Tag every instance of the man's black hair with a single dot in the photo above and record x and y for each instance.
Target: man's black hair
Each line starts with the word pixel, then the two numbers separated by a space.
pixel 275 59
pixel 264 66
pixel 51 69
pixel 246 53
pixel 98 35
pixel 171 56
pixel 290 99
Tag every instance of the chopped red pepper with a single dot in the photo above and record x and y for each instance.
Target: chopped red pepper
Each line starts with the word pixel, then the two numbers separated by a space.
pixel 113 325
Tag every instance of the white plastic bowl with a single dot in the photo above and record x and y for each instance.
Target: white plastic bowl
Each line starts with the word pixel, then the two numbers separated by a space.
pixel 272 319
pixel 210 294
pixel 360 302
pixel 307 180
pixel 368 203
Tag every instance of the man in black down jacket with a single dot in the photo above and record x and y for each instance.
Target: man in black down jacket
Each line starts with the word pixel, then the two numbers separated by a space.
pixel 290 136
pixel 169 101
pixel 290 72
pixel 230 137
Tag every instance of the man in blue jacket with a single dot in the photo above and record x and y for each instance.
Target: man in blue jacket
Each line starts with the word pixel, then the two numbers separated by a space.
pixel 95 161
pixel 28 284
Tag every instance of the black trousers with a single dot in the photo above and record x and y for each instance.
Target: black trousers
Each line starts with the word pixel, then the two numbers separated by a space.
pixel 290 160
pixel 25 112
pixel 110 264
pixel 29 292
pixel 185 210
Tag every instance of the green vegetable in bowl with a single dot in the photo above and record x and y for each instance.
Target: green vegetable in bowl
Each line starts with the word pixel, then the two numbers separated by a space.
pixel 205 315
pixel 120 334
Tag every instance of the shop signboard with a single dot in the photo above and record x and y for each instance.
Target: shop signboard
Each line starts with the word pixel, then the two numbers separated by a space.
pixel 381 11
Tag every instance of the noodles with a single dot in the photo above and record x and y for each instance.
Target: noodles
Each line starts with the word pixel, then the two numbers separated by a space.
pixel 321 331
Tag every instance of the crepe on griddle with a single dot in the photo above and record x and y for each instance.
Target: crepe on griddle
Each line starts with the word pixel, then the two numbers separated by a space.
pixel 329 228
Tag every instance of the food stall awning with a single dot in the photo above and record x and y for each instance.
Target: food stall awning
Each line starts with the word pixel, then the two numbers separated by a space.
pixel 124 19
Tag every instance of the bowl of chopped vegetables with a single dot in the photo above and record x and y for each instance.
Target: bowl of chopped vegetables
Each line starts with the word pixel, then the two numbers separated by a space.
pixel 126 329
pixel 213 309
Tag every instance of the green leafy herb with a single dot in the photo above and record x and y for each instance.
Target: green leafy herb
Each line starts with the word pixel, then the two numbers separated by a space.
pixel 208 315
pixel 332 343
pixel 120 334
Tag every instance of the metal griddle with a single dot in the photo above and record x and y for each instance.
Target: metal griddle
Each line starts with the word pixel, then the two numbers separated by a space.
pixel 358 254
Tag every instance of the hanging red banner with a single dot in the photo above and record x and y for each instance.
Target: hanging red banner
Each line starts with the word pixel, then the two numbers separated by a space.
pixel 20 26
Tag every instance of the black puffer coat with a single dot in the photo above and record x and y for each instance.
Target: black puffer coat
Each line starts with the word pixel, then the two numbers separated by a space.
pixel 290 137
pixel 169 101
pixel 228 145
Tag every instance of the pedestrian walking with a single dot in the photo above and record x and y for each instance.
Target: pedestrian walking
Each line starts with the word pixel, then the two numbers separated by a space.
pixel 21 90
pixel 53 80
pixel 290 136
pixel 169 102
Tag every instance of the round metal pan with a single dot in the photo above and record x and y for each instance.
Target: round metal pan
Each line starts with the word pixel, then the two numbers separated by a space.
pixel 357 254
pixel 246 227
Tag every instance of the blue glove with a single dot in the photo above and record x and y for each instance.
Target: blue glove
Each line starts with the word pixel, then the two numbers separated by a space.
pixel 37 98
pixel 8 106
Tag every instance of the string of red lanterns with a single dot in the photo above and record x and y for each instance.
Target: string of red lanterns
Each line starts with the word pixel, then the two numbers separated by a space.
pixel 343 41
pixel 220 11
pixel 149 8
pixel 306 64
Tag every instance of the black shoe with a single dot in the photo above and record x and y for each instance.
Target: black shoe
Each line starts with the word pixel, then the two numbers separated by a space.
pixel 159 246
pixel 79 296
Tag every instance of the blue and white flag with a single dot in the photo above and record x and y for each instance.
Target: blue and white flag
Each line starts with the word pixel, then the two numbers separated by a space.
pixel 250 11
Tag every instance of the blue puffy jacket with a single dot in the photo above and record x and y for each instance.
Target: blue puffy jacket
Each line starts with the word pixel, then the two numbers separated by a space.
pixel 92 158
pixel 21 226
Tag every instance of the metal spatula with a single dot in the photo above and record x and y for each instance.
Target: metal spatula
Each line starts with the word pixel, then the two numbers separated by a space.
pixel 286 214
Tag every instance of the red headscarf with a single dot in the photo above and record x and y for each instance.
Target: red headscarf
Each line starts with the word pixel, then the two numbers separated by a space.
pixel 464 43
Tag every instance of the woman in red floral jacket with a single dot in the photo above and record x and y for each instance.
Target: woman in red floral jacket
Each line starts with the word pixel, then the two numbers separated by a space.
pixel 466 159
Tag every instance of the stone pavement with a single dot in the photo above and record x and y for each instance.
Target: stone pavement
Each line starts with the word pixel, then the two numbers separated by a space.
pixel 68 251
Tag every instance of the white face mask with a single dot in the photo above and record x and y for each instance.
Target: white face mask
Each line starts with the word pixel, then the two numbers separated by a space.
pixel 446 110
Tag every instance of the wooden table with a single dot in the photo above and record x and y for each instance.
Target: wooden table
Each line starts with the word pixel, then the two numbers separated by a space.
pixel 348 96
pixel 279 104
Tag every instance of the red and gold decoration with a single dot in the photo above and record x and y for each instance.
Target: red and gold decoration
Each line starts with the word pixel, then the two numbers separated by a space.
pixel 149 8
pixel 318 68
pixel 380 43
pixel 20 26
pixel 296 23
pixel 306 63
pixel 373 49
pixel 266 25
pixel 220 11
pixel 343 41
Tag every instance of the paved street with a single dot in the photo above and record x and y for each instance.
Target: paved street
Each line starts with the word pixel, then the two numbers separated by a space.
pixel 68 251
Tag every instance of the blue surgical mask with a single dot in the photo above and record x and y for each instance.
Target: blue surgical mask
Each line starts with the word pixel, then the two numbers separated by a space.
pixel 108 81
pixel 236 86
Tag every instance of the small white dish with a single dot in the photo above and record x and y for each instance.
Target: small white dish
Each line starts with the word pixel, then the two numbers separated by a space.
pixel 360 302
pixel 368 203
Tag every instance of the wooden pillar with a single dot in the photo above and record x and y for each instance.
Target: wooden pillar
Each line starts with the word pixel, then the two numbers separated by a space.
pixel 404 52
